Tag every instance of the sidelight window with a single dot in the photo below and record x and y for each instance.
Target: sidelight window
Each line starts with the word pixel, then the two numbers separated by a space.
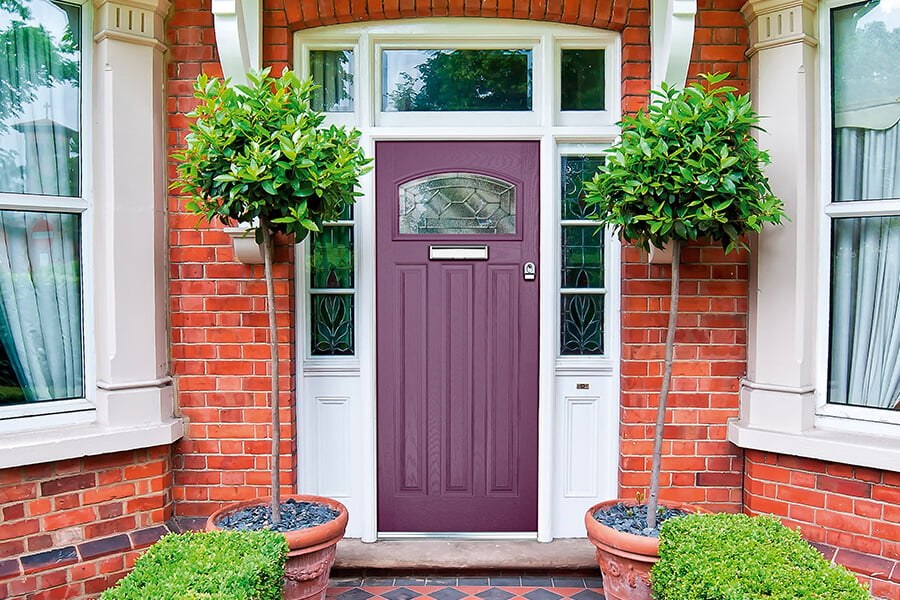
pixel 582 274
pixel 332 289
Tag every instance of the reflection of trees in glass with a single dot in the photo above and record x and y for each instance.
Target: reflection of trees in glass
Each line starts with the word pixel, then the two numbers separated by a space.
pixel 452 80
pixel 582 84
pixel 30 60
pixel 332 72
pixel 865 58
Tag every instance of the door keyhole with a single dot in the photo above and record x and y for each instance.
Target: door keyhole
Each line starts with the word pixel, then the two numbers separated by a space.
pixel 529 271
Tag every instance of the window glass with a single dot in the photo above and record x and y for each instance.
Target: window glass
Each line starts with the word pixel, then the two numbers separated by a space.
pixel 866 84
pixel 456 80
pixel 331 283
pixel 332 72
pixel 582 85
pixel 582 293
pixel 40 307
pixel 40 74
pixel 458 203
pixel 865 269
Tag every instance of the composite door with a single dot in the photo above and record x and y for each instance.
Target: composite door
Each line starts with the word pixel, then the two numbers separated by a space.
pixel 457 335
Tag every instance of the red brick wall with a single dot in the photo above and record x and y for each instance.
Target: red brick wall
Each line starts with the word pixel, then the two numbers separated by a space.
pixel 699 464
pixel 851 513
pixel 72 528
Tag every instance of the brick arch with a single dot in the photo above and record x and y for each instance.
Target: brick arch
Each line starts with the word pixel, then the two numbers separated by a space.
pixel 602 14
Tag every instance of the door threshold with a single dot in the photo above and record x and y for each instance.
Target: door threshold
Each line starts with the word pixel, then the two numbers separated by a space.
pixel 442 555
pixel 529 536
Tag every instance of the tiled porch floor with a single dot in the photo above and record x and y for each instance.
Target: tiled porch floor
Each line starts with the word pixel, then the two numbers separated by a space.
pixel 490 587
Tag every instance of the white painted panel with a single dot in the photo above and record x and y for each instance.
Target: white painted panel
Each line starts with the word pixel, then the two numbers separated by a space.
pixel 582 441
pixel 333 447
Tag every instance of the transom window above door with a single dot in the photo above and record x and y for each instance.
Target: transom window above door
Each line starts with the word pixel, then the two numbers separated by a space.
pixel 462 72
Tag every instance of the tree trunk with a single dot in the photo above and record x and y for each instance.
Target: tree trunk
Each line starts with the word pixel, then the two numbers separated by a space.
pixel 269 252
pixel 653 498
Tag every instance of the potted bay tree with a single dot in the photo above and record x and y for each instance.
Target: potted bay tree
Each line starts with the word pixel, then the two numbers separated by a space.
pixel 259 154
pixel 687 168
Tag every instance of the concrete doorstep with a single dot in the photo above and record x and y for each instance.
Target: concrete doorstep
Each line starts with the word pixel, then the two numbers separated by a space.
pixel 436 555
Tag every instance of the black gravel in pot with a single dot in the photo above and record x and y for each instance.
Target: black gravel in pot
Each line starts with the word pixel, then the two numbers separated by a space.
pixel 633 519
pixel 294 515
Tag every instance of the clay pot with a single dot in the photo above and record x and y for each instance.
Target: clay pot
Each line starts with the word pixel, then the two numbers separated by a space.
pixel 311 550
pixel 625 559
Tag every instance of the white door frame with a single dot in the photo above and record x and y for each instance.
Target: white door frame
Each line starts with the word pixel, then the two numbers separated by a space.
pixel 336 395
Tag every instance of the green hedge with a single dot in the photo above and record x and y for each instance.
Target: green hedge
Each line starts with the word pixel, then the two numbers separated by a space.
pixel 737 557
pixel 220 565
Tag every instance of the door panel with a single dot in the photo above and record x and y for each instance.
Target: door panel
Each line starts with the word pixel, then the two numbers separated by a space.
pixel 457 339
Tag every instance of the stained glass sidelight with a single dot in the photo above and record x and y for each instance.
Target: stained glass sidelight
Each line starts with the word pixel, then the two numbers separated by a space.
pixel 331 282
pixel 331 259
pixel 582 257
pixel 332 324
pixel 582 276
pixel 581 324
pixel 458 203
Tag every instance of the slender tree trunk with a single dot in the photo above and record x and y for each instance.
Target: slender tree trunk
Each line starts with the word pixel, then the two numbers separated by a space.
pixel 653 499
pixel 269 252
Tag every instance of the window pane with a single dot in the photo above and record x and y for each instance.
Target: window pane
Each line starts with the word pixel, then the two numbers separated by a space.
pixel 581 324
pixel 582 85
pixel 453 80
pixel 575 171
pixel 865 312
pixel 40 98
pixel 582 257
pixel 458 203
pixel 332 71
pixel 332 324
pixel 40 307
pixel 331 258
pixel 866 85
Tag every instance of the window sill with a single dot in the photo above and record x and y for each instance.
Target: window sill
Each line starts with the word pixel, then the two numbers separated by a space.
pixel 853 448
pixel 28 448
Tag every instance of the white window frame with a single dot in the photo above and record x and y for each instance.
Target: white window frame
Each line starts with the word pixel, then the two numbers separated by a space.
pixel 52 413
pixel 844 417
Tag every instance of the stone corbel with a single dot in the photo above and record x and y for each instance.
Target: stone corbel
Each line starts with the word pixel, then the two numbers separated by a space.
pixel 238 25
pixel 671 40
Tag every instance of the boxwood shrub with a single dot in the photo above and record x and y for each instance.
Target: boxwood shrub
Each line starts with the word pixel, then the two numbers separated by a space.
pixel 219 565
pixel 737 557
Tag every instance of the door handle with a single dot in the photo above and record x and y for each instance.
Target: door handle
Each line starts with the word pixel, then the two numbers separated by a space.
pixel 529 271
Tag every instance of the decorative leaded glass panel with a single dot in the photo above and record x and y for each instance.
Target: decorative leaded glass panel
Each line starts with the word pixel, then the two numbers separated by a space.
pixel 458 203
pixel 331 333
pixel 331 258
pixel 575 171
pixel 332 72
pixel 456 80
pixel 582 85
pixel 582 257
pixel 581 324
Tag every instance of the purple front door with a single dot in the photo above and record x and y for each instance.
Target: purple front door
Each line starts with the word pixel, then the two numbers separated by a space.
pixel 457 335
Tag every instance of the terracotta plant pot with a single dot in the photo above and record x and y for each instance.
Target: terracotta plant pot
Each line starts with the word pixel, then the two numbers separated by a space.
pixel 311 550
pixel 625 559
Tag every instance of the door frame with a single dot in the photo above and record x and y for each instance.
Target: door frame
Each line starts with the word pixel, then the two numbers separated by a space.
pixel 348 384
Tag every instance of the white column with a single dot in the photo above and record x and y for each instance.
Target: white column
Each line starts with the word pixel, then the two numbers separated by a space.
pixel 131 270
pixel 778 393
